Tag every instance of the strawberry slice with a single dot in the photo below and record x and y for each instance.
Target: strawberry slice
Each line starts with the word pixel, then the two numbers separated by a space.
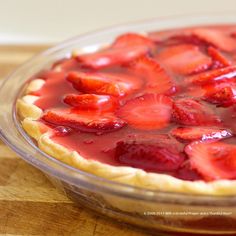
pixel 185 39
pixel 186 172
pixel 217 38
pixel 192 112
pixel 219 60
pixel 157 79
pixel 184 59
pixel 213 161
pixel 222 74
pixel 83 120
pixel 221 94
pixel 103 83
pixel 91 101
pixel 131 39
pixel 200 133
pixel 125 49
pixel 159 153
pixel 148 112
pixel 112 56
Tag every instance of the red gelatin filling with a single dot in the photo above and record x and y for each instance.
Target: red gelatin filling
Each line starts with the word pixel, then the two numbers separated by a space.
pixel 164 103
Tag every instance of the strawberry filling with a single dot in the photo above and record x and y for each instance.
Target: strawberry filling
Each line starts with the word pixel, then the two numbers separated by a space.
pixel 193 112
pixel 216 37
pixel 155 77
pixel 83 120
pixel 213 160
pixel 103 83
pixel 125 49
pixel 219 59
pixel 221 94
pixel 214 76
pixel 131 39
pixel 164 103
pixel 158 153
pixel 200 133
pixel 148 112
pixel 91 102
pixel 184 59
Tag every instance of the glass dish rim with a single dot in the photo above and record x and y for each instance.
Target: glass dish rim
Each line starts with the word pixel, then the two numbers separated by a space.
pixel 108 185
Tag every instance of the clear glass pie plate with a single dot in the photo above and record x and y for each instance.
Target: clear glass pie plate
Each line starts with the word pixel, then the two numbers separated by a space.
pixel 152 210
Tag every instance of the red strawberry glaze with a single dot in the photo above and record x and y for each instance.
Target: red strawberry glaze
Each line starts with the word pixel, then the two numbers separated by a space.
pixel 145 110
pixel 47 98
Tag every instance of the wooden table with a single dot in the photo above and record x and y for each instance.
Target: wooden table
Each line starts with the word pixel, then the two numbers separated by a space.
pixel 29 204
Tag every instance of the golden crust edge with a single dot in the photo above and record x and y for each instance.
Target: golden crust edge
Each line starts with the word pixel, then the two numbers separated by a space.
pixel 25 105
pixel 125 175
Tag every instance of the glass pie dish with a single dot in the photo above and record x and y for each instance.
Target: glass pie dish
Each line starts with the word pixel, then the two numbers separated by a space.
pixel 153 210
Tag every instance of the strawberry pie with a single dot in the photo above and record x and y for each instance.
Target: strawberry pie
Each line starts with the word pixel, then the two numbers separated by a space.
pixel 155 110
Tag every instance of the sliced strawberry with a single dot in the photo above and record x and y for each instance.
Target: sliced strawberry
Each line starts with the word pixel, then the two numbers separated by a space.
pixel 157 79
pixel 185 39
pixel 150 111
pixel 112 56
pixel 184 59
pixel 131 39
pixel 91 101
pixel 192 112
pixel 125 49
pixel 213 161
pixel 200 133
pixel 219 60
pixel 104 83
pixel 221 94
pixel 83 120
pixel 186 172
pixel 218 38
pixel 222 74
pixel 160 153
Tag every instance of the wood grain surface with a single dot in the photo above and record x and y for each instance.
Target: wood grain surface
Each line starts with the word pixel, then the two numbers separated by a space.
pixel 29 204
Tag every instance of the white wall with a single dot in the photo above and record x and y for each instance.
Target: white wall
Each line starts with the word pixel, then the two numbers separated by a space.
pixel 56 20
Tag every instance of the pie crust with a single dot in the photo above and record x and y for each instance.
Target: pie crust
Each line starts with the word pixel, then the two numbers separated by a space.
pixel 30 113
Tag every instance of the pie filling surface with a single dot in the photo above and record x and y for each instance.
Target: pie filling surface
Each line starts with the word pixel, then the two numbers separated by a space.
pixel 164 102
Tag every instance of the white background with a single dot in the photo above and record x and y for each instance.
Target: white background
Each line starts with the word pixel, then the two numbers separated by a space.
pixel 33 21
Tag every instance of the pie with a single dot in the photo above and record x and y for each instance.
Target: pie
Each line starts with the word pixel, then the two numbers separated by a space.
pixel 157 111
